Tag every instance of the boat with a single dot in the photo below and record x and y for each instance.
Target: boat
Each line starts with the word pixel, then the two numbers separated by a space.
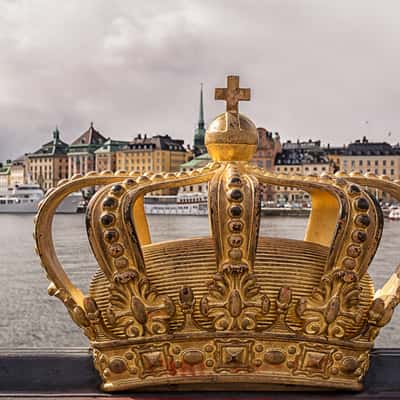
pixel 25 198
pixel 394 214
pixel 180 204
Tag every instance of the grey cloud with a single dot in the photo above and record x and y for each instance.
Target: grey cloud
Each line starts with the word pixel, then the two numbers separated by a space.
pixel 317 69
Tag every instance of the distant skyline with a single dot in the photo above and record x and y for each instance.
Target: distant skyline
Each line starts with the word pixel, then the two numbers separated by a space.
pixel 317 69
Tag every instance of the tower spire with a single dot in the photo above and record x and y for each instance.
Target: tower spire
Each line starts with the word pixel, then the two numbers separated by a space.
pixel 200 130
pixel 201 111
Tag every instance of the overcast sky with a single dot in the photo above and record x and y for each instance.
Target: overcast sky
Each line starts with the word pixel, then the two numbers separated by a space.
pixel 317 69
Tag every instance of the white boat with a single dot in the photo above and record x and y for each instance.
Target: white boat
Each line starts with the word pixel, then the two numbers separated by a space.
pixel 394 214
pixel 26 198
pixel 181 204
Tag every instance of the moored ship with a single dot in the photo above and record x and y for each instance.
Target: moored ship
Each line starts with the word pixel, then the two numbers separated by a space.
pixel 394 214
pixel 181 204
pixel 26 198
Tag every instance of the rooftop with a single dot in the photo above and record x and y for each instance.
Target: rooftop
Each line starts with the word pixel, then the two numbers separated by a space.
pixel 54 147
pixel 197 162
pixel 365 148
pixel 157 142
pixel 111 145
pixel 298 153
pixel 91 137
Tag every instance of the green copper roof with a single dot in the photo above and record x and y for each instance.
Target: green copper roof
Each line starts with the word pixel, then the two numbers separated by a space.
pixel 197 162
pixel 110 146
pixel 54 147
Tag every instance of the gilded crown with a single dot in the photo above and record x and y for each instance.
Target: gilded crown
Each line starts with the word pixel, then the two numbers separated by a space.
pixel 233 307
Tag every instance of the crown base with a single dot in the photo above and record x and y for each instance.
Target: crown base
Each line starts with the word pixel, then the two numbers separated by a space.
pixel 228 383
pixel 251 363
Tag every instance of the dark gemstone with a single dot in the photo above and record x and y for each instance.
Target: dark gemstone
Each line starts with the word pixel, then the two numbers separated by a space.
pixel 117 189
pixel 236 195
pixel 109 203
pixel 235 240
pixel 235 181
pixel 362 204
pixel 107 219
pixel 353 251
pixel 359 236
pixel 349 263
pixel 354 189
pixel 111 236
pixel 116 250
pixel 129 181
pixel 235 226
pixel 236 211
pixel 363 220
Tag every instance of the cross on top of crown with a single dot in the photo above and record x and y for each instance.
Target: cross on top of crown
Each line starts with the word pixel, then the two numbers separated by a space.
pixel 232 94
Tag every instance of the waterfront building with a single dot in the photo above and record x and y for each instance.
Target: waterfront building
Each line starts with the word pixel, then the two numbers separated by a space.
pixel 18 171
pixel 269 145
pixel 157 153
pixel 81 154
pixel 49 164
pixel 200 131
pixel 105 155
pixel 5 176
pixel 306 158
pixel 380 158
pixel 197 162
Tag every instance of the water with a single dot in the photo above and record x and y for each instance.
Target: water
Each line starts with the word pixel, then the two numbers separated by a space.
pixel 30 318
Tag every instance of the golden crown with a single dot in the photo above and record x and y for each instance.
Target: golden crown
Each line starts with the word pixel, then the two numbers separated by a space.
pixel 232 307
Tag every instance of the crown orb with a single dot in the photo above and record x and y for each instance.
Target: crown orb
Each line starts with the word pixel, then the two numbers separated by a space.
pixel 231 137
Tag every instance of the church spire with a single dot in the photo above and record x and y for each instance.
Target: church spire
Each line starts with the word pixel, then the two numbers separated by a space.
pixel 200 130
pixel 200 124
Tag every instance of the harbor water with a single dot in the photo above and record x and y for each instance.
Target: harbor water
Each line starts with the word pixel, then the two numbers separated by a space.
pixel 30 318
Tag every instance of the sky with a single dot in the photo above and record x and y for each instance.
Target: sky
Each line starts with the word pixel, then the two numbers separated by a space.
pixel 318 69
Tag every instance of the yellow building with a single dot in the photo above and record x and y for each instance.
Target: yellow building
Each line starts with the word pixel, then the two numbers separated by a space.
pixel 158 153
pixel 4 177
pixel 364 156
pixel 305 158
pixel 106 158
pixel 18 169
pixel 49 164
